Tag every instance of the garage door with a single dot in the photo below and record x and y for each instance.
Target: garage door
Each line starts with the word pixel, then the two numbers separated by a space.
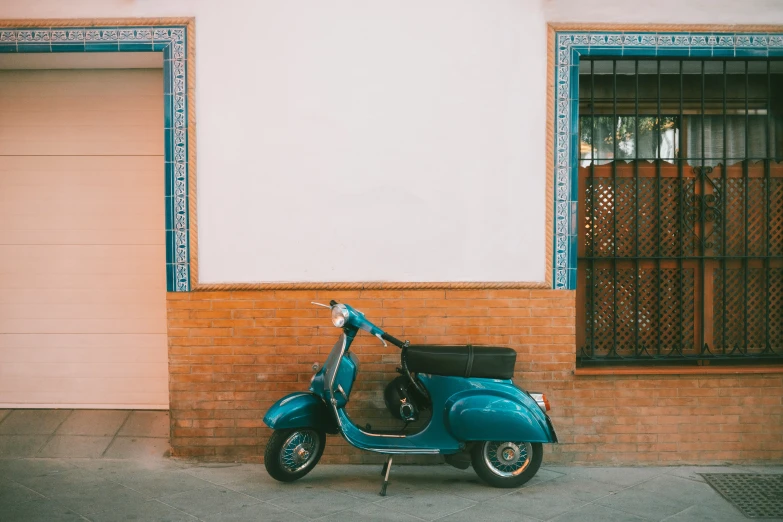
pixel 82 255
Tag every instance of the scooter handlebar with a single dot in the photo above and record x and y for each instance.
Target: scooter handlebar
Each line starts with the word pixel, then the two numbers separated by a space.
pixel 396 342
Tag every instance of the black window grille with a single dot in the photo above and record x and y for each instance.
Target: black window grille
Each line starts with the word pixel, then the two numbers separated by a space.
pixel 681 211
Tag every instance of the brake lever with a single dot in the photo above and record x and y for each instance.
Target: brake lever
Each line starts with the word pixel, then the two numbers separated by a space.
pixel 381 338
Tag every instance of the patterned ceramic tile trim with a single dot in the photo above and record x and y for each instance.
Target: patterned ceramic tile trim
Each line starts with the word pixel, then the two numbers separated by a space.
pixel 569 47
pixel 171 40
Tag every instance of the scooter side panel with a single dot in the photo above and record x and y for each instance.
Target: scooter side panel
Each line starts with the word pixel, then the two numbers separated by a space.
pixel 497 415
pixel 300 410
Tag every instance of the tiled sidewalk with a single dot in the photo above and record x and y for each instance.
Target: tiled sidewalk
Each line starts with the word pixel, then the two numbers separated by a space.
pixel 117 434
pixel 37 489
pixel 112 466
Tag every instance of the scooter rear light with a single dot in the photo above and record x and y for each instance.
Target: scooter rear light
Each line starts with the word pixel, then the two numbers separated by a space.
pixel 542 401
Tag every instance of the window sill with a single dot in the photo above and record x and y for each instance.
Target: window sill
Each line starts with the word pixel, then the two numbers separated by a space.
pixel 679 370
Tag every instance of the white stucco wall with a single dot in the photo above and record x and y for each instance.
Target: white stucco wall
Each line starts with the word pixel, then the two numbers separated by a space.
pixel 361 140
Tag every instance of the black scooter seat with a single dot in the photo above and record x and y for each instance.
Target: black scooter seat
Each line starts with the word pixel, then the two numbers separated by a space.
pixel 491 362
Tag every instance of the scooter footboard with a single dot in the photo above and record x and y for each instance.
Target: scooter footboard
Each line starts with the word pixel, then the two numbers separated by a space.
pixel 300 410
pixel 484 416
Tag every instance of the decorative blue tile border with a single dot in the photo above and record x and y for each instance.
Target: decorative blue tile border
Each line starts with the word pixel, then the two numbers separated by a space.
pixel 570 46
pixel 172 42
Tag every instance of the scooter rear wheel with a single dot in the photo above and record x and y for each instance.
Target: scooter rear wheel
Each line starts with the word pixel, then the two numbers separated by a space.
pixel 506 464
pixel 291 454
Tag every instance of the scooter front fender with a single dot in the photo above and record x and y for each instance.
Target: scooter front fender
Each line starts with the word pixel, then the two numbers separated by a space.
pixel 495 415
pixel 300 410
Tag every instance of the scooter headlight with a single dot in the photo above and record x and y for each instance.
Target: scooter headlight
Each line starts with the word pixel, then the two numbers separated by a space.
pixel 339 315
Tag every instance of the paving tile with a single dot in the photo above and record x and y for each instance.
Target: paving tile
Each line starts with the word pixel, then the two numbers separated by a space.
pixel 597 513
pixel 700 513
pixel 753 469
pixel 260 511
pixel 3 414
pixel 75 446
pixel 313 502
pixel 156 485
pixel 150 510
pixel 108 468
pixel 209 501
pixel 264 488
pixel 98 423
pixel 428 504
pixel 59 482
pixel 693 472
pixel 33 422
pixel 678 488
pixel 97 497
pixel 544 475
pixel 14 493
pixel 364 482
pixel 147 424
pixel 643 504
pixel 430 477
pixel 538 502
pixel 137 448
pixel 471 487
pixel 16 469
pixel 578 487
pixel 486 512
pixel 21 445
pixel 229 473
pixel 39 511
pixel 369 512
pixel 365 488
pixel 621 476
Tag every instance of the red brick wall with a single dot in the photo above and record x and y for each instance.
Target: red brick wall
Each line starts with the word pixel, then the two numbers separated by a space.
pixel 232 354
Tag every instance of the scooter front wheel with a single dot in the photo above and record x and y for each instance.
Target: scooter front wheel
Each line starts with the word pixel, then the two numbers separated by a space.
pixel 291 454
pixel 506 464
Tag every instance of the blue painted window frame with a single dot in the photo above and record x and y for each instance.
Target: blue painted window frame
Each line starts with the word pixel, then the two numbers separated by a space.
pixel 171 40
pixel 570 46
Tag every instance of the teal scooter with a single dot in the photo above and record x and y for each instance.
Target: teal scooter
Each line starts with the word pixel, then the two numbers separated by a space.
pixel 479 416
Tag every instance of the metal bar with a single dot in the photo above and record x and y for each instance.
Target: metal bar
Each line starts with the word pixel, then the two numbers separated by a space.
pixel 715 360
pixel 702 225
pixel 680 217
pixel 657 322
pixel 767 182
pixel 745 165
pixel 593 152
pixel 693 258
pixel 724 217
pixel 636 212
pixel 614 203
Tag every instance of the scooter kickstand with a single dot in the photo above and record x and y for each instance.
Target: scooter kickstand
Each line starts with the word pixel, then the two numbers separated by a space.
pixel 385 473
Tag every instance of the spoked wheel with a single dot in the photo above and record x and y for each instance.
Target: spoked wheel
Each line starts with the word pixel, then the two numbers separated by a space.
pixel 506 464
pixel 291 454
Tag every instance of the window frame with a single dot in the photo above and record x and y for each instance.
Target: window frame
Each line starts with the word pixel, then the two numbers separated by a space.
pixel 567 46
pixel 570 48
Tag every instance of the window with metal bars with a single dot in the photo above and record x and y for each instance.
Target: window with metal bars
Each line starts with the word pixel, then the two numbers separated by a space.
pixel 680 256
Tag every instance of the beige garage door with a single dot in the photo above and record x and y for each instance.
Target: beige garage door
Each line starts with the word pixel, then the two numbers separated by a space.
pixel 82 255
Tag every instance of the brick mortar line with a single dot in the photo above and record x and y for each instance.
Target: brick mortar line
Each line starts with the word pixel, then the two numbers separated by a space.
pixel 111 443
